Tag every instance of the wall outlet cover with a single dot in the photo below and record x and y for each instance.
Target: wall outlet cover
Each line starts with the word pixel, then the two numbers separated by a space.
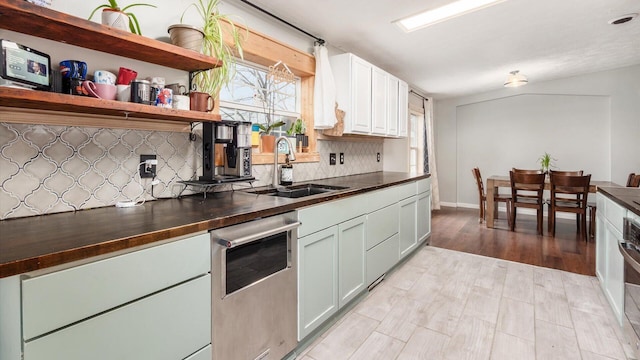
pixel 341 158
pixel 144 171
pixel 332 158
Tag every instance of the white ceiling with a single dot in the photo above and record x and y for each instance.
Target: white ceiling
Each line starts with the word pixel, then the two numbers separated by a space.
pixel 544 39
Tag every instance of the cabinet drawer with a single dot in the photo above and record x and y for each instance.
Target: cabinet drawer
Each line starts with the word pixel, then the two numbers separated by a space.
pixel 63 297
pixel 380 198
pixel 614 213
pixel 406 190
pixel 381 225
pixel 382 257
pixel 172 324
pixel 424 185
pixel 318 217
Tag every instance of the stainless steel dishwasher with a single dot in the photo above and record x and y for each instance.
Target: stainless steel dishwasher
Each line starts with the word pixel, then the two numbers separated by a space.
pixel 254 287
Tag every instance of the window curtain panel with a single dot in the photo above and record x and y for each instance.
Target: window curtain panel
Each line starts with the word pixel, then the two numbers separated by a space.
pixel 324 91
pixel 430 154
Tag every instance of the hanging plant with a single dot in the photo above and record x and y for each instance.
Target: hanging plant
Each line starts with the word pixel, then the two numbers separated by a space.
pixel 213 27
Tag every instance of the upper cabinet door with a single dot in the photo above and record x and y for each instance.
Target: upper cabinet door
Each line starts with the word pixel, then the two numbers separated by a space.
pixel 361 96
pixel 403 109
pixel 380 100
pixel 392 106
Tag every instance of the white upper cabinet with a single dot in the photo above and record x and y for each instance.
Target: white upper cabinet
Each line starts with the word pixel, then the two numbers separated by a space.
pixel 380 102
pixel 392 106
pixel 371 98
pixel 403 109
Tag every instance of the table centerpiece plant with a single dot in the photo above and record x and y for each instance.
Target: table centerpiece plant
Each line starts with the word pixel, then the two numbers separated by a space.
pixel 546 162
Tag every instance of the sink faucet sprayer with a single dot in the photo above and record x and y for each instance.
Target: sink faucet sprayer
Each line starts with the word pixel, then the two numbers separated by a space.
pixel 292 157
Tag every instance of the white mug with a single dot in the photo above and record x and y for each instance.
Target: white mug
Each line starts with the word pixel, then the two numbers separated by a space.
pixel 123 92
pixel 104 77
pixel 181 102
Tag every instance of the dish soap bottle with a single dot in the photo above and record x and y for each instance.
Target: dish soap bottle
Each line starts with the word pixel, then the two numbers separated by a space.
pixel 286 172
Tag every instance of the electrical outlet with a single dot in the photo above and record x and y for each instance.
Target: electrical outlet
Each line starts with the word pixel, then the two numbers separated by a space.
pixel 332 158
pixel 147 171
pixel 378 157
pixel 341 158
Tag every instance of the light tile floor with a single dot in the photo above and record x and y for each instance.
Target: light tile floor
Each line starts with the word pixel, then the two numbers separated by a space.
pixel 445 304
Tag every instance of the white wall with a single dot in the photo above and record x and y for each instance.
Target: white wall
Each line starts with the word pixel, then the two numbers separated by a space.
pixel 609 136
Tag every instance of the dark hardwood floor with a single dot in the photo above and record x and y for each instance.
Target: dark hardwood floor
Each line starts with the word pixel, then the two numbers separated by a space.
pixel 458 229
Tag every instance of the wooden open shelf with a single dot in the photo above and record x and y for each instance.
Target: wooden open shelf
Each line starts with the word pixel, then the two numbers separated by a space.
pixel 24 17
pixel 41 100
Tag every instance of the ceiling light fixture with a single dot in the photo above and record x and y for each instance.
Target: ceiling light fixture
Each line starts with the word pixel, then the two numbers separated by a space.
pixel 434 16
pixel 515 79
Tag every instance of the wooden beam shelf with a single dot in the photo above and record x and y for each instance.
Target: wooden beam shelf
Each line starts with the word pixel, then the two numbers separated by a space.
pixel 41 100
pixel 24 17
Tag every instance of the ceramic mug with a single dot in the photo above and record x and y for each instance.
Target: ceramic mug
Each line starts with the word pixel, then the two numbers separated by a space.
pixel 126 76
pixel 164 98
pixel 73 86
pixel 73 69
pixel 123 92
pixel 104 77
pixel 100 91
pixel 200 101
pixel 178 89
pixel 181 102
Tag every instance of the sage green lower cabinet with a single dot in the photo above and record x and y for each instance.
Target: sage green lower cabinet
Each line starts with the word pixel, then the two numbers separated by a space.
pixel 351 255
pixel 168 325
pixel 150 303
pixel 423 220
pixel 317 279
pixel 408 229
pixel 382 257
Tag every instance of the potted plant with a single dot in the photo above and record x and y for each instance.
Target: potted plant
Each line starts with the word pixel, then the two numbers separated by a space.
pixel 268 141
pixel 298 128
pixel 119 18
pixel 546 162
pixel 214 27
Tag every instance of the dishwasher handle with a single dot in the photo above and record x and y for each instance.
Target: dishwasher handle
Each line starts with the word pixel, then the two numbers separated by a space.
pixel 256 236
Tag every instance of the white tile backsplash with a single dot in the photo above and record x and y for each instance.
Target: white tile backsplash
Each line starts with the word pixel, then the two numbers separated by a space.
pixel 48 169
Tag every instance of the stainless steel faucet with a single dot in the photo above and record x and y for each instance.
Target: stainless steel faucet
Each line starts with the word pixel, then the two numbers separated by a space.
pixel 292 157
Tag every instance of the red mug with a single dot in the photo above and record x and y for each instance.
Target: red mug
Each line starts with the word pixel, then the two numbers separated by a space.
pixel 125 76
pixel 200 101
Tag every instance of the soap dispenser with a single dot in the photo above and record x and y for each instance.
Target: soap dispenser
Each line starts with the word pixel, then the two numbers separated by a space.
pixel 286 172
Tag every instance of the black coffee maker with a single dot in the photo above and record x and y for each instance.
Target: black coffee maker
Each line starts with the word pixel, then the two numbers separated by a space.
pixel 236 139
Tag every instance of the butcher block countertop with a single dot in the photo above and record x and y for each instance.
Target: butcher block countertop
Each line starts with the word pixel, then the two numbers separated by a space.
pixel 33 243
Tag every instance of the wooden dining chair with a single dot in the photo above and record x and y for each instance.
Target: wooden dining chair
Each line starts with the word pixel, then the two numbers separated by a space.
pixel 569 194
pixel 548 201
pixel 526 171
pixel 633 180
pixel 526 192
pixel 482 198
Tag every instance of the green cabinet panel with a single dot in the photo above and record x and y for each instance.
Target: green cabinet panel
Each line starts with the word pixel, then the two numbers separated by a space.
pixel 317 279
pixel 351 255
pixel 408 229
pixel 424 216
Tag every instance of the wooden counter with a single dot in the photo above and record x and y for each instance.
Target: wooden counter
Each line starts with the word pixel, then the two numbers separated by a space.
pixel 33 243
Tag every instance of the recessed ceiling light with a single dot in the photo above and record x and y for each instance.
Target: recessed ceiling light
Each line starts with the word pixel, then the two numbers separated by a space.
pixel 622 19
pixel 434 16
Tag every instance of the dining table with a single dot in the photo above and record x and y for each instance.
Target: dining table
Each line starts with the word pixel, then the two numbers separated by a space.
pixel 497 181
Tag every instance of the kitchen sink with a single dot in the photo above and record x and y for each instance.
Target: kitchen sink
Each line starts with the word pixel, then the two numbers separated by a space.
pixel 298 191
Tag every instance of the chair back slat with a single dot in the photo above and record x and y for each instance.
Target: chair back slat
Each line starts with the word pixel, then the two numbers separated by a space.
pixel 633 180
pixel 525 171
pixel 478 177
pixel 566 172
